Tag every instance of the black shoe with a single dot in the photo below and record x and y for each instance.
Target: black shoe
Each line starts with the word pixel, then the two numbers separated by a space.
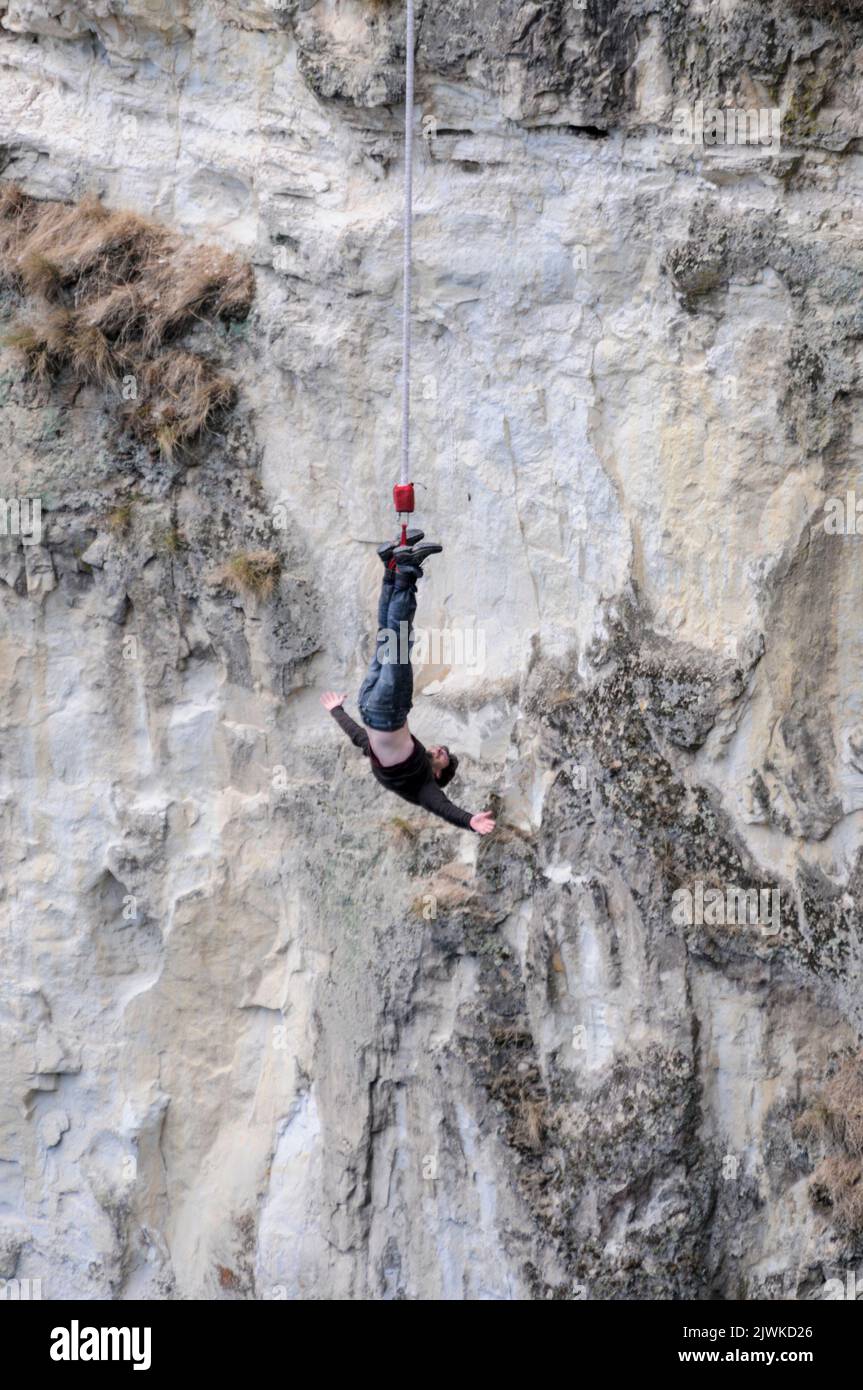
pixel 407 576
pixel 414 555
pixel 388 549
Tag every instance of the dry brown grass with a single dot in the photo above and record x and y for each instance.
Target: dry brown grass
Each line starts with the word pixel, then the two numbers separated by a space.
pixel 89 355
pixel 182 397
pixel 837 1114
pixel 836 1117
pixel 838 1182
pixel 827 8
pixel 17 214
pixel 257 572
pixel 527 1110
pixel 90 248
pixel 198 282
pixel 530 1124
pixel 120 314
pixel 39 275
pixel 844 1097
pixel 109 293
pixel 13 200
pixel 43 342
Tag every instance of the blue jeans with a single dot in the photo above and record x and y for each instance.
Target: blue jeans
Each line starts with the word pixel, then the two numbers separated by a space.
pixel 387 693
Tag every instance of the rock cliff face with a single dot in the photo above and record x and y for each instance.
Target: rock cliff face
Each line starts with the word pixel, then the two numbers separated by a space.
pixel 267 1033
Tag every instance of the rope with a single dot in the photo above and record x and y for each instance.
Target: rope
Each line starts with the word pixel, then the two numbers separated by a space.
pixel 408 218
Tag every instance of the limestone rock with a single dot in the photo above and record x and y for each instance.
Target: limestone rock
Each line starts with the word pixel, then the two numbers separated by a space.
pixel 282 1036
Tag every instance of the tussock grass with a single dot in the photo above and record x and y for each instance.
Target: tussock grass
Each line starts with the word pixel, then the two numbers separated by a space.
pixel 120 314
pixel 530 1124
pixel 17 215
pixel 89 355
pixel 40 275
pixel 829 7
pixel 256 572
pixel 90 248
pixel 170 540
pixel 43 342
pixel 528 1110
pixel 836 1117
pixel 196 283
pixel 120 519
pixel 110 293
pixel 182 397
pixel 838 1183
pixel 13 200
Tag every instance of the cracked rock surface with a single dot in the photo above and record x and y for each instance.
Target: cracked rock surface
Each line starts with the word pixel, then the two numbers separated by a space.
pixel 265 1032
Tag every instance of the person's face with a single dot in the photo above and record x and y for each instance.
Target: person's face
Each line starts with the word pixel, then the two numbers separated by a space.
pixel 439 758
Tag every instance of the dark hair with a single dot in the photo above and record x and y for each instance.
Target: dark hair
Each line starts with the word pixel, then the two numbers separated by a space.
pixel 445 777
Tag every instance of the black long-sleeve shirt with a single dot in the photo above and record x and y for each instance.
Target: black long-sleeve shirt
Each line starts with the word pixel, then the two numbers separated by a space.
pixel 413 779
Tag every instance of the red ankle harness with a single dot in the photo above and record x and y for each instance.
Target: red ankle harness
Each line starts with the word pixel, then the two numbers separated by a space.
pixel 403 496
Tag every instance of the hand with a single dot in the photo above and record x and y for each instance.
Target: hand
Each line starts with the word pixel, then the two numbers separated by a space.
pixel 330 700
pixel 482 823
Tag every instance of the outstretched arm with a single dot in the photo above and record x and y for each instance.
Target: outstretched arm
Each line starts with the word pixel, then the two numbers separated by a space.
pixel 357 735
pixel 431 798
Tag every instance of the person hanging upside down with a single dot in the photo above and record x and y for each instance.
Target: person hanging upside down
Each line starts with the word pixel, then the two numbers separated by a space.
pixel 398 759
